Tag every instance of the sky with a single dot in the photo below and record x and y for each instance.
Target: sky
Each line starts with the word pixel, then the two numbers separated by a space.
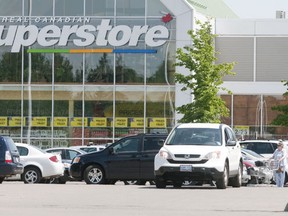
pixel 257 8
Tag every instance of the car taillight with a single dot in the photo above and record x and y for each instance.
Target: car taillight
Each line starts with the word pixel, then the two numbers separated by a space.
pixel 54 158
pixel 8 157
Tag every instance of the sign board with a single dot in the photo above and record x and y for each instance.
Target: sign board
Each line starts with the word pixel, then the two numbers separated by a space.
pixel 98 122
pixel 16 121
pixel 77 122
pixel 3 121
pixel 157 122
pixel 60 122
pixel 121 122
pixel 39 122
pixel 137 123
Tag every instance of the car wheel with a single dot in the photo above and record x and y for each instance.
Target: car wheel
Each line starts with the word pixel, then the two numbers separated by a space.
pixel 177 184
pixel 62 180
pixel 160 183
pixel 31 175
pixel 1 179
pixel 223 181
pixel 133 182
pixel 237 180
pixel 141 182
pixel 186 183
pixel 94 174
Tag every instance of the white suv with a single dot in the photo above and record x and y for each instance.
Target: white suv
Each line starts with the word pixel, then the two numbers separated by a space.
pixel 199 152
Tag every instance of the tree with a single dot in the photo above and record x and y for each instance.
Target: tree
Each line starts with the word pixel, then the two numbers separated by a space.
pixel 281 119
pixel 103 71
pixel 204 78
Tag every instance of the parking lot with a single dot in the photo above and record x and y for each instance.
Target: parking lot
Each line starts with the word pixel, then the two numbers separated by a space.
pixel 77 198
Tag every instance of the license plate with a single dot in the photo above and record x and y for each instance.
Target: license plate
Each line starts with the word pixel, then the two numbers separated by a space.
pixel 185 168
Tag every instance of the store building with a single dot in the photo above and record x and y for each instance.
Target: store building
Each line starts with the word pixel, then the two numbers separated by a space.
pixel 80 71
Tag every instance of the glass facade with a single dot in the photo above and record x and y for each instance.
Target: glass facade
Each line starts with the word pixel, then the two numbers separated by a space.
pixel 251 116
pixel 60 98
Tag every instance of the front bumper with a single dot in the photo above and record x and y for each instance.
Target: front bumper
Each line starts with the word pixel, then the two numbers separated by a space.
pixel 197 174
pixel 75 171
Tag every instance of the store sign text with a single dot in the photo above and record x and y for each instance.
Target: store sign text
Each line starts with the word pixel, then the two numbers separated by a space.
pixel 102 35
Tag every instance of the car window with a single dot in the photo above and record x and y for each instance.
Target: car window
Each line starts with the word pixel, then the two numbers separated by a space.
pixel 71 154
pixel 229 135
pixel 152 143
pixel 127 145
pixel 11 144
pixel 195 136
pixel 260 148
pixel 23 151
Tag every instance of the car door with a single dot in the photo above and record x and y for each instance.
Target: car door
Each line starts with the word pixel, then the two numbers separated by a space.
pixel 151 146
pixel 123 162
pixel 234 151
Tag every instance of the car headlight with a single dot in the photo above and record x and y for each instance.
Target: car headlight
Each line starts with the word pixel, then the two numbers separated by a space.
pixel 164 154
pixel 213 155
pixel 76 160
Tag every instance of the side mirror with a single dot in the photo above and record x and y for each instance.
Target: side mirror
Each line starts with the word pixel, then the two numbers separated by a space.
pixel 231 143
pixel 111 151
pixel 161 142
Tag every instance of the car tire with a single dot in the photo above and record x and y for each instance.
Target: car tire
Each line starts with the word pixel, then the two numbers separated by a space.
pixel 31 175
pixel 160 183
pixel 177 184
pixel 94 174
pixel 132 182
pixel 1 179
pixel 237 180
pixel 223 181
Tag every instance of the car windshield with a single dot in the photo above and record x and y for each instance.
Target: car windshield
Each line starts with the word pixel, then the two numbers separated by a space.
pixel 195 136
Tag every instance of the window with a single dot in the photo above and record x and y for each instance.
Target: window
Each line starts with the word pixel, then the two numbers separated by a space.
pixel 71 154
pixel 127 145
pixel 152 143
pixel 22 151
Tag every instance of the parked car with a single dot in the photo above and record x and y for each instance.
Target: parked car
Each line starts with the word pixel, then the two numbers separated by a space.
pixel 130 158
pixel 265 174
pixel 89 148
pixel 9 158
pixel 199 152
pixel 38 164
pixel 265 148
pixel 67 155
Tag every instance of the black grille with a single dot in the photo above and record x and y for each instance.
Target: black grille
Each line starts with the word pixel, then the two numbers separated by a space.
pixel 186 162
pixel 187 155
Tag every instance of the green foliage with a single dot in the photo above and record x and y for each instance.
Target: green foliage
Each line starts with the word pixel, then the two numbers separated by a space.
pixel 282 118
pixel 204 78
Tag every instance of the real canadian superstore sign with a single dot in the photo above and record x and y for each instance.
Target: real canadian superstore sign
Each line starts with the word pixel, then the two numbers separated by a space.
pixel 20 32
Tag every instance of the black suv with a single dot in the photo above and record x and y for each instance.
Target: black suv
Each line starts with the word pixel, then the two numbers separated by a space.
pixel 9 158
pixel 130 158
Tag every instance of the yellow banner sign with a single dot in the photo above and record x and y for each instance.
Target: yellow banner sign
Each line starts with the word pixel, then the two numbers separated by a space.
pixel 60 122
pixel 157 122
pixel 3 121
pixel 16 121
pixel 39 122
pixel 77 122
pixel 121 122
pixel 98 122
pixel 137 122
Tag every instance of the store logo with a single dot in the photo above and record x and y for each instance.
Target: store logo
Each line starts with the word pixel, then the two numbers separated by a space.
pixel 167 18
pixel 102 35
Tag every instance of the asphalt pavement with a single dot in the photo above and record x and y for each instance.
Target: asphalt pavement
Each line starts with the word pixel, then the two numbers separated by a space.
pixel 79 199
